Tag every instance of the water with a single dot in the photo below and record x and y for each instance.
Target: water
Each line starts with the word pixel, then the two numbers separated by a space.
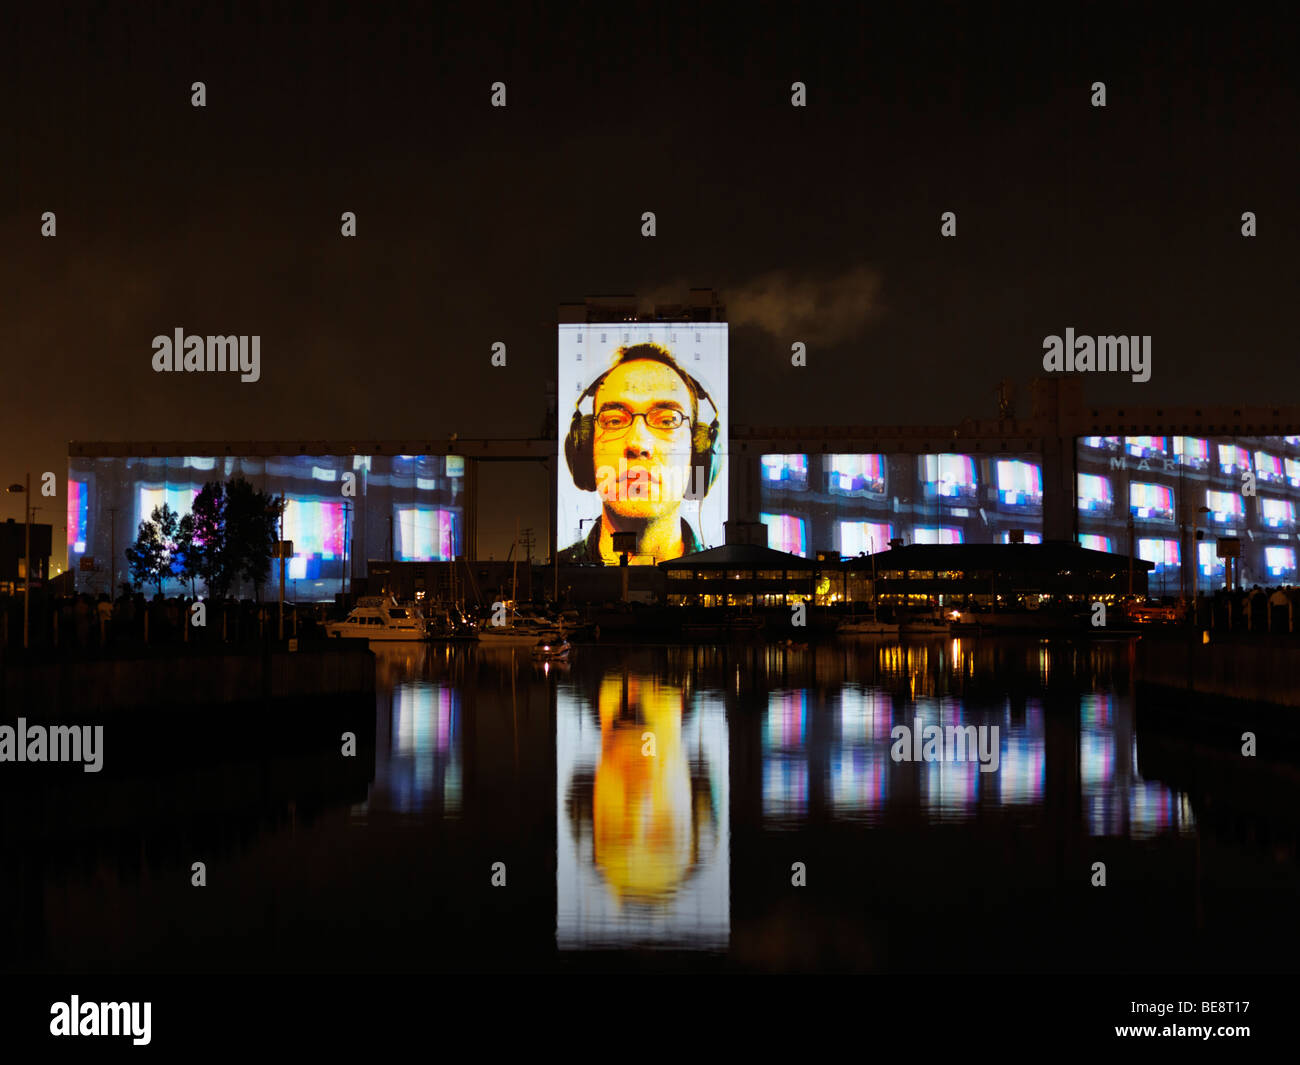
pixel 650 808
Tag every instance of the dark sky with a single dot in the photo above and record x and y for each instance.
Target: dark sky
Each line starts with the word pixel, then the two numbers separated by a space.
pixel 818 224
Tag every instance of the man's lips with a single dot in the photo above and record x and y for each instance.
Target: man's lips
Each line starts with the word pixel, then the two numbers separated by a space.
pixel 641 474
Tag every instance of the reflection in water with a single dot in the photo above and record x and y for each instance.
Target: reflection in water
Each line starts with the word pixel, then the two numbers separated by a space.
pixel 642 816
pixel 761 756
pixel 922 686
pixel 424 760
pixel 1116 800
pixel 1023 772
pixel 785 757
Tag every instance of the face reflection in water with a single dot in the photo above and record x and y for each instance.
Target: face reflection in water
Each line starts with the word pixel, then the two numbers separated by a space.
pixel 642 829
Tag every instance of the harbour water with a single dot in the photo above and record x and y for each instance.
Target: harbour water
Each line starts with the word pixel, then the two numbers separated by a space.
pixel 696 808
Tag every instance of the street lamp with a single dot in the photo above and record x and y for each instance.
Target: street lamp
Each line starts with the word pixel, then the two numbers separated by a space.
pixel 26 489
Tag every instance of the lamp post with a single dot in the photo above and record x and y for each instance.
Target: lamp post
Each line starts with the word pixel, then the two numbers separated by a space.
pixel 1196 562
pixel 26 489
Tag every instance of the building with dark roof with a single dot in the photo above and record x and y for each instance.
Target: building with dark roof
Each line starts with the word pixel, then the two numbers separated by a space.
pixel 986 574
pixel 739 575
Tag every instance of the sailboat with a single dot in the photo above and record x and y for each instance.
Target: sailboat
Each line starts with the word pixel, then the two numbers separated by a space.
pixel 872 626
pixel 518 629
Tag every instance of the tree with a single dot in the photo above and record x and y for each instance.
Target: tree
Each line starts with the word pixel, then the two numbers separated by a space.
pixel 185 565
pixel 153 556
pixel 252 521
pixel 144 556
pixel 208 539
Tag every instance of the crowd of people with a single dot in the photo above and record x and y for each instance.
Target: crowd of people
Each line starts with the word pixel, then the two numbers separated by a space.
pixel 1254 609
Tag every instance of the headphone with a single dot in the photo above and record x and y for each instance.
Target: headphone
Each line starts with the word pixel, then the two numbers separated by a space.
pixel 704 438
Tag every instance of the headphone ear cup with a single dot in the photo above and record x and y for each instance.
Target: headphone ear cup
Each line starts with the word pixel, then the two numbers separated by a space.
pixel 577 451
pixel 703 459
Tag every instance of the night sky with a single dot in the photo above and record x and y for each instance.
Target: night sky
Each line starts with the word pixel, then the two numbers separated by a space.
pixel 818 224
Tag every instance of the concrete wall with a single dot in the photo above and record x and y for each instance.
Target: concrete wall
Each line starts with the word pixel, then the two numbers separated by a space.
pixel 1247 671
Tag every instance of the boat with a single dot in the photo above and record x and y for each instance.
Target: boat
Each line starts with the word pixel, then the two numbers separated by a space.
pixel 523 627
pixel 519 632
pixel 377 617
pixel 552 650
pixel 447 622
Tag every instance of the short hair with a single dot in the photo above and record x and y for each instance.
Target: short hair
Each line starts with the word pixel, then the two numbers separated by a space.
pixel 651 352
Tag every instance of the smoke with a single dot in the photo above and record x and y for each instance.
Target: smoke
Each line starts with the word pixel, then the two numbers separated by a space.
pixel 790 308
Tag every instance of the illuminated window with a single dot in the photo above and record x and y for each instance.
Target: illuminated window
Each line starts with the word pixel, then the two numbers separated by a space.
pixel 785 471
pixel 1145 447
pixel 786 533
pixel 1020 484
pixel 1277 513
pixel 1210 564
pixel 923 534
pixel 1280 563
pixel 315 528
pixel 425 534
pixel 858 475
pixel 1233 458
pixel 864 537
pixel 1151 501
pixel 78 516
pixel 1164 553
pixel 1269 468
pixel 948 477
pixel 179 499
pixel 1225 506
pixel 1095 494
pixel 1192 451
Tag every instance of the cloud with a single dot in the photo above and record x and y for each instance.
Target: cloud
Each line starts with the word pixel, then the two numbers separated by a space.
pixel 789 308
pixel 807 309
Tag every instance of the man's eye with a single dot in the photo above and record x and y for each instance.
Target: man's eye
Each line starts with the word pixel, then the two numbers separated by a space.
pixel 614 419
pixel 665 419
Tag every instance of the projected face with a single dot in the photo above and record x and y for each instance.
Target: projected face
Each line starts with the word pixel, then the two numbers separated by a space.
pixel 642 442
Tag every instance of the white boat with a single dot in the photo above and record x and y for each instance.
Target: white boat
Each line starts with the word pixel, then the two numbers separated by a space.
pixel 519 632
pixel 376 617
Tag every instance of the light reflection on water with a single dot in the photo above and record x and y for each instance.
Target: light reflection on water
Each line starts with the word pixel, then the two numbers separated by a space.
pixel 851 751
pixel 643 809
pixel 762 758
pixel 643 761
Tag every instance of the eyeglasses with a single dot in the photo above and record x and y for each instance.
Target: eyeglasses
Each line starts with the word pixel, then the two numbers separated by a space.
pixel 616 421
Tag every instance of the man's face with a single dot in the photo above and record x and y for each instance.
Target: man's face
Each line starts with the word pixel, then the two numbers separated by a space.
pixel 643 469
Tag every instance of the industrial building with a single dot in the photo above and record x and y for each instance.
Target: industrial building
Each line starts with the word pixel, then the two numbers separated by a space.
pixel 1163 484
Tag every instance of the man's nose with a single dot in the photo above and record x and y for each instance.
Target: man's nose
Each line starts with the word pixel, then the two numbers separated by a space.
pixel 639 441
